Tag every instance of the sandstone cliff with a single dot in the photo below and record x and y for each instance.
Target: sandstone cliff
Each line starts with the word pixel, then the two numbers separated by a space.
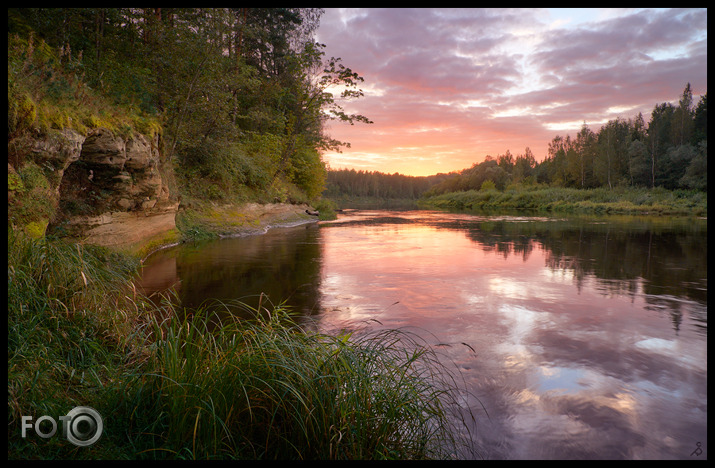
pixel 108 189
pixel 113 190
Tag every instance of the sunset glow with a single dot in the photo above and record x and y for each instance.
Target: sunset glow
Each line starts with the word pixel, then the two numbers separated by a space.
pixel 447 87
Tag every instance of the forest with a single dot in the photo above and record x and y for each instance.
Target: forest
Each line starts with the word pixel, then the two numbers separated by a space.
pixel 239 95
pixel 670 151
pixel 375 184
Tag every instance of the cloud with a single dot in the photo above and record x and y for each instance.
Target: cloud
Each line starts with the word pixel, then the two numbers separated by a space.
pixel 454 85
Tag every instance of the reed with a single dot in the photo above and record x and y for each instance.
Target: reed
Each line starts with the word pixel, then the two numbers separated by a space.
pixel 71 317
pixel 269 389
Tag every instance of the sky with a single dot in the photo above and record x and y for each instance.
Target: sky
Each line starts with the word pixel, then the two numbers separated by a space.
pixel 447 87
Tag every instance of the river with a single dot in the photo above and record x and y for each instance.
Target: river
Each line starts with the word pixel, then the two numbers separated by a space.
pixel 577 337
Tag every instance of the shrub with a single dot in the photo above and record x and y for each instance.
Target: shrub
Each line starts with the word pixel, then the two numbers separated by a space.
pixel 488 185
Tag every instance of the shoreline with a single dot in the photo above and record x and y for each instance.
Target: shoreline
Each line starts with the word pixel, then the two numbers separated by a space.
pixel 225 221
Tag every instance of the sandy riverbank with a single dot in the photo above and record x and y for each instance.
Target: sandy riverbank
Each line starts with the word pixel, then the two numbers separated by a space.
pixel 142 234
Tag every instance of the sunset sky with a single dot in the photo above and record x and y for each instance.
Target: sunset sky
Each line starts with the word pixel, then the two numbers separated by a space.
pixel 446 87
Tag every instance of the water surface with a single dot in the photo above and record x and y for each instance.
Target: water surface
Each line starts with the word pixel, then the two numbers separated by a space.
pixel 581 337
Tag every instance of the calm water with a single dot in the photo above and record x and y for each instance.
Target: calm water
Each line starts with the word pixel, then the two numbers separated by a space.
pixel 582 337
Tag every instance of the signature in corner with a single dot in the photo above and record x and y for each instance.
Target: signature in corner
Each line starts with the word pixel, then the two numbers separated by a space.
pixel 698 451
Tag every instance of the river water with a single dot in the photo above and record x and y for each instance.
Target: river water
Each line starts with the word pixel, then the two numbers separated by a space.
pixel 577 338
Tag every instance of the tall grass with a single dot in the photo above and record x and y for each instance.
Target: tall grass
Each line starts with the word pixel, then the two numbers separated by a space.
pixel 182 384
pixel 268 389
pixel 71 319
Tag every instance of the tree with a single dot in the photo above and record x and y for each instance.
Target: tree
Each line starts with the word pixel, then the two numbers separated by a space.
pixel 506 161
pixel 523 166
pixel 309 102
pixel 659 132
pixel 696 175
pixel 674 164
pixel 683 118
pixel 638 163
pixel 555 166
pixel 611 164
pixel 637 128
pixel 700 120
pixel 574 164
pixel 585 146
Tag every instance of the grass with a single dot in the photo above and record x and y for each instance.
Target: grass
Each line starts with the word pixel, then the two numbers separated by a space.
pixel 656 201
pixel 70 318
pixel 270 390
pixel 184 384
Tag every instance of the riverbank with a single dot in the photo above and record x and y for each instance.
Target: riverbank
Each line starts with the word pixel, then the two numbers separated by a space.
pixel 637 201
pixel 207 221
pixel 213 220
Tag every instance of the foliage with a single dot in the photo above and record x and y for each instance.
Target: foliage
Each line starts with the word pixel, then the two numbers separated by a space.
pixel 352 183
pixel 307 171
pixel 601 200
pixel 47 90
pixel 29 201
pixel 240 95
pixel 326 208
pixel 487 185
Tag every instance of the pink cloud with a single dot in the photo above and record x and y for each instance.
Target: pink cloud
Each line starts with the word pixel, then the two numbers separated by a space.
pixel 447 87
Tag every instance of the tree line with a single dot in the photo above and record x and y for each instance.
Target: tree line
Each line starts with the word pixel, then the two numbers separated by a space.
pixel 241 93
pixel 352 183
pixel 670 151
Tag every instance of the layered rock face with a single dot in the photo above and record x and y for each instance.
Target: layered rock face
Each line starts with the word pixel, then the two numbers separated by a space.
pixel 109 188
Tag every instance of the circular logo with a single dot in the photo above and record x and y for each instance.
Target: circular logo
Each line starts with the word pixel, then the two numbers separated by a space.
pixel 85 426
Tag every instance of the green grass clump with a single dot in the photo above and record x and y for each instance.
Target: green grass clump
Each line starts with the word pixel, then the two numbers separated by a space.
pixel 70 320
pixel 326 208
pixel 268 389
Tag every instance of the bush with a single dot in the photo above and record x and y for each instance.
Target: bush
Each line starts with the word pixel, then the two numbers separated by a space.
pixel 326 208
pixel 488 185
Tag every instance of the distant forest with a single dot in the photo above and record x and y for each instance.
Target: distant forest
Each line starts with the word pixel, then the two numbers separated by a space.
pixel 352 183
pixel 670 151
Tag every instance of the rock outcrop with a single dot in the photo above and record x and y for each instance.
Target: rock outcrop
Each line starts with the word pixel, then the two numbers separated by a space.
pixel 110 189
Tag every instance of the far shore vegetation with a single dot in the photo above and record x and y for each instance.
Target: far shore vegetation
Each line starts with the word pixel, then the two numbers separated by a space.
pixel 621 200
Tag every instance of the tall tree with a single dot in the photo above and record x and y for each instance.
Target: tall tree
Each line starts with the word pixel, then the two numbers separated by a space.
pixel 683 118
pixel 700 120
pixel 523 166
pixel 585 146
pixel 309 103
pixel 659 135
